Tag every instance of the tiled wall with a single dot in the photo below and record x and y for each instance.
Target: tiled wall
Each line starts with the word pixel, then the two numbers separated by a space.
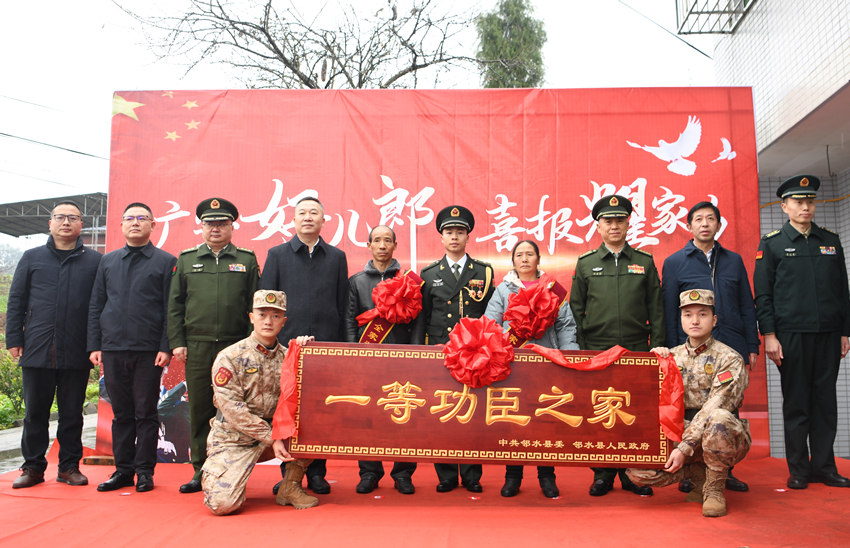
pixel 833 212
pixel 795 54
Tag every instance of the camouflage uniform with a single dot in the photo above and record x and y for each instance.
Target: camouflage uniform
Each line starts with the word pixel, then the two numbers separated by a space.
pixel 715 378
pixel 246 388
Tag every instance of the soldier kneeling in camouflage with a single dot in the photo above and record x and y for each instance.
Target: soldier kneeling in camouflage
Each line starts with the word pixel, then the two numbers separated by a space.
pixel 246 388
pixel 714 378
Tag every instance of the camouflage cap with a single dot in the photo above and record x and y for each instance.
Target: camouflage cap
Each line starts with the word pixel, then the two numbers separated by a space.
pixel 801 186
pixel 216 209
pixel 696 296
pixel 266 298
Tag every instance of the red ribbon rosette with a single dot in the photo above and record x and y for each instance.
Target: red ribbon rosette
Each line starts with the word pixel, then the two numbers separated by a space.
pixel 533 310
pixel 479 352
pixel 398 300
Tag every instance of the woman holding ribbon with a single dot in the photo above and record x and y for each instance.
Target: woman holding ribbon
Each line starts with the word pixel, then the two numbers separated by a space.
pixel 532 307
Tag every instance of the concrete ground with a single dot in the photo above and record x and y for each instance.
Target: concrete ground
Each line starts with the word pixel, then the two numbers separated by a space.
pixel 10 442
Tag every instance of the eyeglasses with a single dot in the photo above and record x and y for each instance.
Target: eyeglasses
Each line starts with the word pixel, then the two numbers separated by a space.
pixel 216 224
pixel 59 218
pixel 140 218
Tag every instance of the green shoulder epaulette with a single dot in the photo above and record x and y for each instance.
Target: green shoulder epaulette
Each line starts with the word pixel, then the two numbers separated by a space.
pixel 191 249
pixel 830 231
pixel 246 250
pixel 770 234
pixel 647 253
pixel 482 263
pixel 432 265
pixel 586 253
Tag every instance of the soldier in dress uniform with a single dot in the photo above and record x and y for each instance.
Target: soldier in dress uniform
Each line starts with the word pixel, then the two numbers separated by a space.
pixel 246 387
pixel 211 290
pixel 457 286
pixel 616 300
pixel 803 311
pixel 714 378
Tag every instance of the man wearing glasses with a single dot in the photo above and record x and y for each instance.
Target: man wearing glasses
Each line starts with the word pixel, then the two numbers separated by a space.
pixel 46 330
pixel 127 336
pixel 212 288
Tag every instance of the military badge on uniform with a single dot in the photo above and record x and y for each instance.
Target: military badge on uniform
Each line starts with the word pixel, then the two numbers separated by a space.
pixel 251 369
pixel 636 269
pixel 237 268
pixel 694 295
pixel 222 376
pixel 827 250
pixel 759 254
pixel 215 204
pixel 455 212
pixel 476 289
pixel 597 270
pixel 725 377
pixel 709 368
pixel 271 298
pixel 613 201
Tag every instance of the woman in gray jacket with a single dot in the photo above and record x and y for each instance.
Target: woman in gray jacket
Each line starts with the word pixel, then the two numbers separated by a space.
pixel 525 257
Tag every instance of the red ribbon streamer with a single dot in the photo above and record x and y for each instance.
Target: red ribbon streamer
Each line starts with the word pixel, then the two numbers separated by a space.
pixel 671 407
pixel 283 423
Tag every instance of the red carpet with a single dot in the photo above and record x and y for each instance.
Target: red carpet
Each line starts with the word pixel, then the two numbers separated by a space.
pixel 53 514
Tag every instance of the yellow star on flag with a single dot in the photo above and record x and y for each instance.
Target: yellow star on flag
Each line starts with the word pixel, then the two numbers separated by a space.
pixel 190 104
pixel 172 135
pixel 168 94
pixel 192 125
pixel 125 107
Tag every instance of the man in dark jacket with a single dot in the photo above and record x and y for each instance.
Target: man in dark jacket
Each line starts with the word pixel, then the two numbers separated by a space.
pixel 704 263
pixel 46 329
pixel 127 336
pixel 382 244
pixel 314 276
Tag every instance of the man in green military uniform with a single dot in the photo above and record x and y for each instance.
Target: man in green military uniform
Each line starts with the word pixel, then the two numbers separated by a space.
pixel 803 311
pixel 211 294
pixel 616 300
pixel 457 286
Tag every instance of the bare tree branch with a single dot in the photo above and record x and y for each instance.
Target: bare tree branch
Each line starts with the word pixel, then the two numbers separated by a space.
pixel 336 47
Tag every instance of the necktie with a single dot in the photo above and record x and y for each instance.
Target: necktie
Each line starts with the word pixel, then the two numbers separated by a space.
pixel 456 271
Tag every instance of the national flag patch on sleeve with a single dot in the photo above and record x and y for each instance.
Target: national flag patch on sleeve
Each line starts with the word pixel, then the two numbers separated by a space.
pixel 725 377
pixel 223 376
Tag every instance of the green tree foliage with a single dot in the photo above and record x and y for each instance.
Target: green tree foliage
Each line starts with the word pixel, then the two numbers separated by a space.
pixel 510 44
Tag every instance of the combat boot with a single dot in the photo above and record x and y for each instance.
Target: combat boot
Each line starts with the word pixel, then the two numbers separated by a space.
pixel 696 473
pixel 290 491
pixel 714 503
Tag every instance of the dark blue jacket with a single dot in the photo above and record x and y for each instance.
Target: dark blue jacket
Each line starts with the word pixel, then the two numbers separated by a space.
pixel 687 269
pixel 316 288
pixel 49 306
pixel 129 301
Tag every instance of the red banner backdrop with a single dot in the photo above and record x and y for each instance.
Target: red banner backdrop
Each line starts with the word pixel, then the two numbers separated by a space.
pixel 529 164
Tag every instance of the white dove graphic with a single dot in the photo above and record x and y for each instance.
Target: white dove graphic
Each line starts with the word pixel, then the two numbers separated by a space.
pixel 676 152
pixel 727 153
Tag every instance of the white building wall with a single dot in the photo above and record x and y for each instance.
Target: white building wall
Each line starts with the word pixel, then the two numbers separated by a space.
pixel 795 54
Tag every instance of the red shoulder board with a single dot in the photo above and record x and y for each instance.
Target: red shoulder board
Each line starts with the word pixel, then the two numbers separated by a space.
pixel 759 254
pixel 223 376
pixel 724 377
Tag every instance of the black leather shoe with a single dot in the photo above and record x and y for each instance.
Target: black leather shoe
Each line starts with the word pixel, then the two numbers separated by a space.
pixel 192 487
pixel 446 485
pixel 549 487
pixel 832 479
pixel 600 487
pixel 511 487
pixel 368 483
pixel 734 484
pixel 472 486
pixel 144 483
pixel 642 490
pixel 405 486
pixel 276 487
pixel 686 486
pixel 116 481
pixel 318 485
pixel 797 482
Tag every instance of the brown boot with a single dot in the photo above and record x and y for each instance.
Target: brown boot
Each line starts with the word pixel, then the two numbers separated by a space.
pixel 696 473
pixel 28 478
pixel 714 503
pixel 290 491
